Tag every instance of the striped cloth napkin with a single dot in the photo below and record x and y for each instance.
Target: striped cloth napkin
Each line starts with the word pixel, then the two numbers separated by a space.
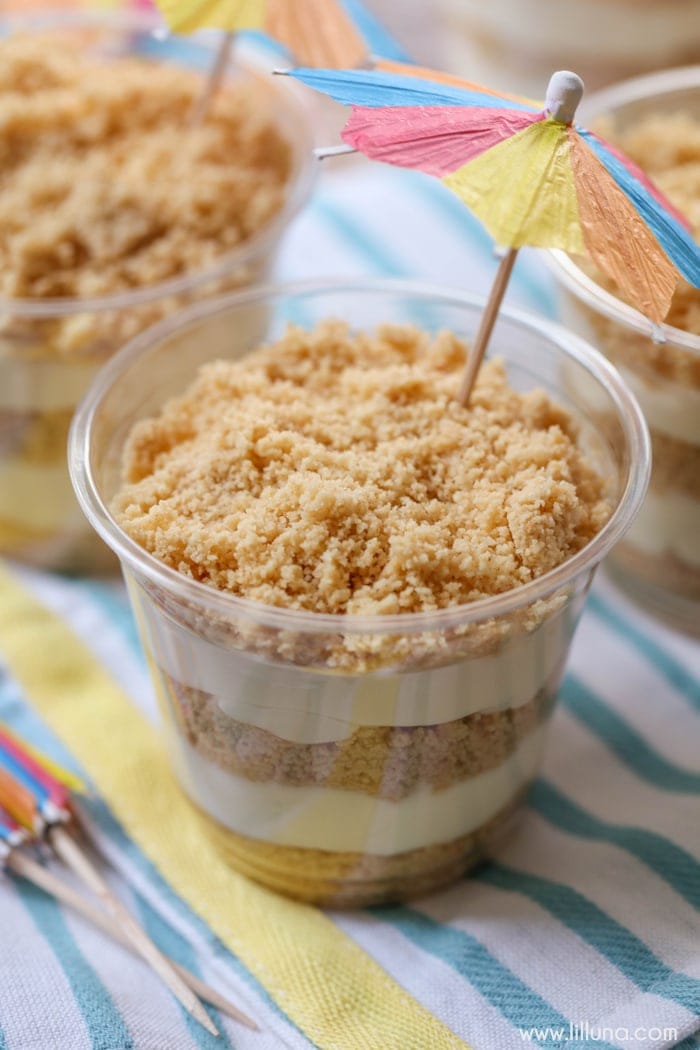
pixel 586 930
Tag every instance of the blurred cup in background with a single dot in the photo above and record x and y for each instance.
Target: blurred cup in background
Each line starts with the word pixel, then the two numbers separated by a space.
pixel 656 120
pixel 52 343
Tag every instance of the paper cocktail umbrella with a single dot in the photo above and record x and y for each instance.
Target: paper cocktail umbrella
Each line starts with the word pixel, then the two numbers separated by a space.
pixel 529 173
pixel 316 32
pixel 38 801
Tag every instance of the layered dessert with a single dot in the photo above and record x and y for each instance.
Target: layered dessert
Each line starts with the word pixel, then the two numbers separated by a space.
pixel 515 45
pixel 663 547
pixel 106 196
pixel 332 477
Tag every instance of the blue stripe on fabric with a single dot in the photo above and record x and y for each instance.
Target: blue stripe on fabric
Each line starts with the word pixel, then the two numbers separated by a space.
pixel 613 941
pixel 455 211
pixel 194 53
pixel 105 1026
pixel 117 609
pixel 624 741
pixel 374 88
pixel 671 863
pixel 110 826
pixel 25 723
pixel 174 47
pixel 372 249
pixel 676 241
pixel 176 947
pixel 512 998
pixel 672 670
pixel 3 1040
pixel 376 36
pixel 262 40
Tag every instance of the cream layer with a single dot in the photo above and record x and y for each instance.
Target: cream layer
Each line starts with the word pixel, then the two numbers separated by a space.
pixel 644 30
pixel 668 407
pixel 668 524
pixel 309 707
pixel 43 384
pixel 37 497
pixel 348 821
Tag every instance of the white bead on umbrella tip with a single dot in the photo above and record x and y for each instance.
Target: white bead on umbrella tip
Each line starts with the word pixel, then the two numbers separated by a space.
pixel 564 92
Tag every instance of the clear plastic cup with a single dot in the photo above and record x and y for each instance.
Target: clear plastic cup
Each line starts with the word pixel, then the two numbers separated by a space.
pixel 659 561
pixel 355 759
pixel 515 45
pixel 40 384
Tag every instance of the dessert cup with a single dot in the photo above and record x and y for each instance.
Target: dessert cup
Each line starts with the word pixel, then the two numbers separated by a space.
pixel 659 560
pixel 515 45
pixel 348 759
pixel 51 348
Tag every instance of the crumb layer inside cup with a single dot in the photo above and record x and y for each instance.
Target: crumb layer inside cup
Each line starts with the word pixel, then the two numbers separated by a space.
pixel 332 471
pixel 335 472
pixel 105 191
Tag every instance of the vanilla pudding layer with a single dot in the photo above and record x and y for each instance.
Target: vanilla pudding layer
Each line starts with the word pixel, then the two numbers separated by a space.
pixel 668 524
pixel 35 493
pixel 338 820
pixel 662 546
pixel 36 496
pixel 339 696
pixel 35 381
pixel 666 532
pixel 671 409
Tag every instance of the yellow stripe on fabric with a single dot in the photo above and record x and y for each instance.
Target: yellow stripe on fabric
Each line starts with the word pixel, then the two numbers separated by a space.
pixel 523 189
pixel 327 985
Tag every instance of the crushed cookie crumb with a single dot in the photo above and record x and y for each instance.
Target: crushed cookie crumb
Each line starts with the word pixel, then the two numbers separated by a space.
pixel 101 189
pixel 333 471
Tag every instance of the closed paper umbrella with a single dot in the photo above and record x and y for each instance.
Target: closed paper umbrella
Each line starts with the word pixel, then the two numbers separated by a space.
pixel 44 796
pixel 529 173
pixel 38 801
pixel 316 32
pixel 12 837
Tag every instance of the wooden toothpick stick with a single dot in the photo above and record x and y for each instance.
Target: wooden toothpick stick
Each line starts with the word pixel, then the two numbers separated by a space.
pixel 39 876
pixel 80 864
pixel 324 152
pixel 213 81
pixel 488 320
